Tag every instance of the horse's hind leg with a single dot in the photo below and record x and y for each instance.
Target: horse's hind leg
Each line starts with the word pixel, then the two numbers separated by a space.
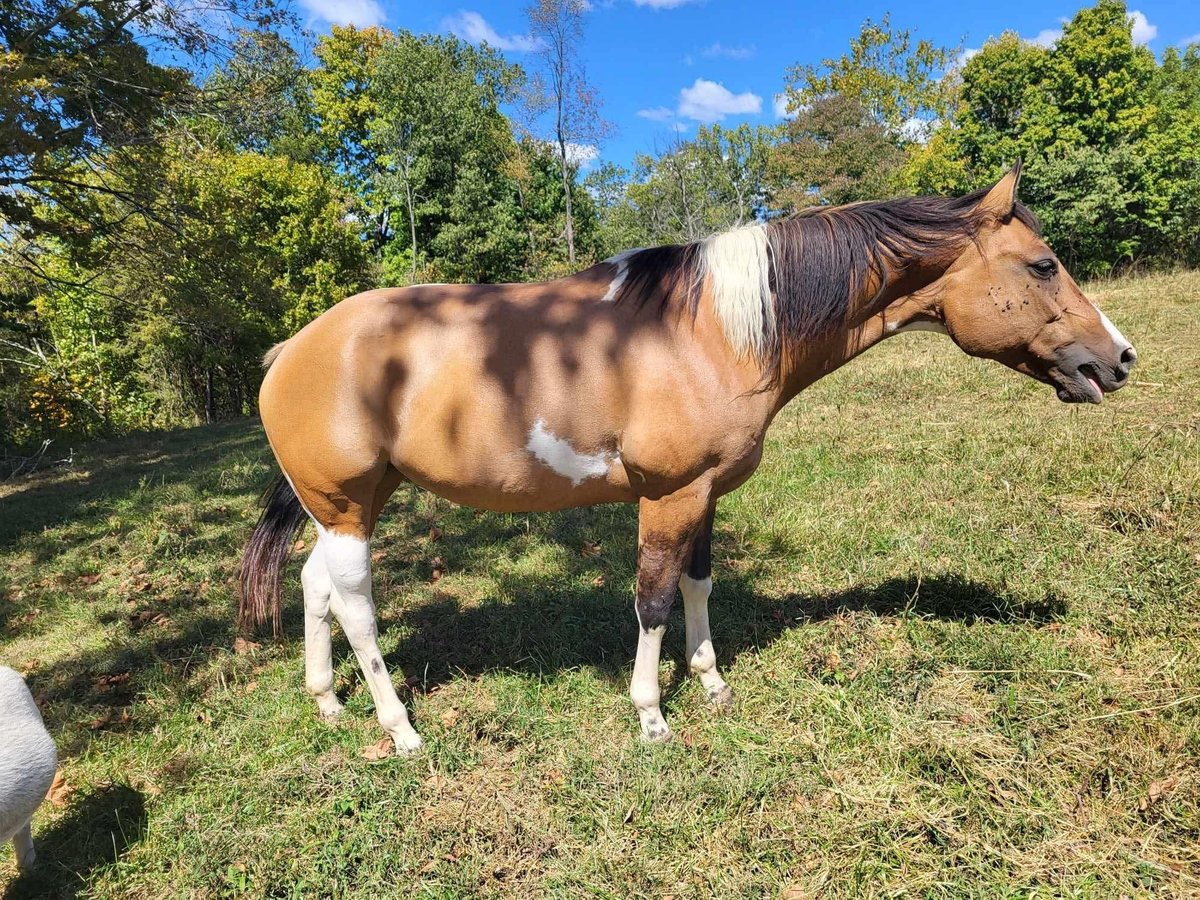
pixel 318 647
pixel 696 586
pixel 348 559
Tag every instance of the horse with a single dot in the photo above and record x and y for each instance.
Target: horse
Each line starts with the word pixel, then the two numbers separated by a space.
pixel 649 378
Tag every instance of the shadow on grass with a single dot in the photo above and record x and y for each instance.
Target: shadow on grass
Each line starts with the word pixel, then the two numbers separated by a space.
pixel 108 470
pixel 540 633
pixel 96 832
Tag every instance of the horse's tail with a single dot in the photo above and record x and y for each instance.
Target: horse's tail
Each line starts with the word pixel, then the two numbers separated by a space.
pixel 261 578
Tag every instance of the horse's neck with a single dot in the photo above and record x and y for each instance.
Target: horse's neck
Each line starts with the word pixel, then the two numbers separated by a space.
pixel 872 319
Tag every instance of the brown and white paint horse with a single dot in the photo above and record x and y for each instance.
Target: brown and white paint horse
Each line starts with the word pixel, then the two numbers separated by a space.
pixel 650 378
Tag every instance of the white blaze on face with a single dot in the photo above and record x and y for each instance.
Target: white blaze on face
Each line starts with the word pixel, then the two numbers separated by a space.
pixel 1117 337
pixel 559 455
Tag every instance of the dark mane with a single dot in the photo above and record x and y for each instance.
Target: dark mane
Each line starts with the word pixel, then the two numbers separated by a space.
pixel 821 259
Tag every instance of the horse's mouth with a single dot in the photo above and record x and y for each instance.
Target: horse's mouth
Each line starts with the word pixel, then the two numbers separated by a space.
pixel 1085 385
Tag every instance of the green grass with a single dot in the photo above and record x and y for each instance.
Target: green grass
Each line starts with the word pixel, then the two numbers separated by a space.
pixel 962 621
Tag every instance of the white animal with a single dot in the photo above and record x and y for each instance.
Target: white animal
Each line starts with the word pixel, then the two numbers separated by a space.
pixel 27 764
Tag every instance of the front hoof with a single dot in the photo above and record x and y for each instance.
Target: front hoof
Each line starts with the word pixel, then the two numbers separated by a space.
pixel 722 698
pixel 656 733
pixel 329 709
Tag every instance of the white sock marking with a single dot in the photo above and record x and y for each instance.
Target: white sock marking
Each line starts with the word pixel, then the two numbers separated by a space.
pixel 348 561
pixel 643 687
pixel 702 658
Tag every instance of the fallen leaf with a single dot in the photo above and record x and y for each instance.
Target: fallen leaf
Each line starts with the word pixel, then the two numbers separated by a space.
pixel 793 892
pixel 251 686
pixel 629 814
pixel 435 533
pixel 381 749
pixel 242 646
pixel 598 581
pixel 439 568
pixel 59 790
pixel 105 683
pixel 450 717
pixel 377 556
pixel 89 579
pixel 298 546
pixel 1156 792
pixel 591 549
pixel 436 781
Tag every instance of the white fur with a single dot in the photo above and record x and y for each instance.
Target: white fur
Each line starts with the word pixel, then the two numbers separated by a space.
pixel 559 455
pixel 643 686
pixel 621 261
pixel 347 561
pixel 27 763
pixel 737 264
pixel 1117 337
pixel 702 659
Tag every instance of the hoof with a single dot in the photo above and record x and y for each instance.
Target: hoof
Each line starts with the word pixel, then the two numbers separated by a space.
pixel 723 698
pixel 659 734
pixel 408 744
pixel 329 710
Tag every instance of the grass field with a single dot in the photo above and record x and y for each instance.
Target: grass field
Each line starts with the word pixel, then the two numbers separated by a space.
pixel 962 620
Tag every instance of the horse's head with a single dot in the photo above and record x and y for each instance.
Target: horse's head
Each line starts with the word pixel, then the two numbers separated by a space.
pixel 1008 298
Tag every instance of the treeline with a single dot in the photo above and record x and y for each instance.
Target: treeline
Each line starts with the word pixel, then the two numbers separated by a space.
pixel 162 227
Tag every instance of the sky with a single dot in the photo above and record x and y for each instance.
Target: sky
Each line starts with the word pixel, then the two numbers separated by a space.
pixel 664 67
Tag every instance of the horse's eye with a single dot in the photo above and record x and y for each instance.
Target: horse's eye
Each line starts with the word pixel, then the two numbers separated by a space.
pixel 1044 268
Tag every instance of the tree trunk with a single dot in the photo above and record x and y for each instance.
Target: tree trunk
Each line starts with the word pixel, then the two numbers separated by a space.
pixel 412 229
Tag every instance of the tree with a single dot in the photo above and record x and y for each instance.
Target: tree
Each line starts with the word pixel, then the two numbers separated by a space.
pixel 1107 136
pixel 77 87
pixel 855 118
pixel 438 144
pixel 562 88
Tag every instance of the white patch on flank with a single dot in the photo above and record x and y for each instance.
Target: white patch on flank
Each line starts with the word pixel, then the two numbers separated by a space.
pixel 738 264
pixel 564 459
pixel 917 325
pixel 621 261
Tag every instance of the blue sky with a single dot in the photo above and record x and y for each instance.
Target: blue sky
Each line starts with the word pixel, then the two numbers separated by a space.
pixel 667 66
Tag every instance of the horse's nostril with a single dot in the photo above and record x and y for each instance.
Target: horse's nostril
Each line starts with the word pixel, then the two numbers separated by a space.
pixel 1128 357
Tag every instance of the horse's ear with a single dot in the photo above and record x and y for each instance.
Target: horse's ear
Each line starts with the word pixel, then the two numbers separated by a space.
pixel 1001 199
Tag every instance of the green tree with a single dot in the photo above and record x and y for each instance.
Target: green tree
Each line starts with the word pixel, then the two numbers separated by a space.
pixel 855 118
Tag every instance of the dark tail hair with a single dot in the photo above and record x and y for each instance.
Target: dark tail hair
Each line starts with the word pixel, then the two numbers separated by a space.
pixel 261 578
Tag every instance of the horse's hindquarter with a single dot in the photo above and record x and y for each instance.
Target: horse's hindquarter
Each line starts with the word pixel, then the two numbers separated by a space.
pixel 508 397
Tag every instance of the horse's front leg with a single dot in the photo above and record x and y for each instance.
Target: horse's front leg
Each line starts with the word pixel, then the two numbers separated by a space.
pixel 666 530
pixel 696 586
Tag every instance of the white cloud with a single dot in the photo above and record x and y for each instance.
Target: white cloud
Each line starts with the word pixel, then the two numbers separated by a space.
pixel 360 13
pixel 966 56
pixel 738 51
pixel 662 4
pixel 1188 41
pixel 656 114
pixel 779 104
pixel 1047 37
pixel 581 155
pixel 708 101
pixel 472 27
pixel 1143 31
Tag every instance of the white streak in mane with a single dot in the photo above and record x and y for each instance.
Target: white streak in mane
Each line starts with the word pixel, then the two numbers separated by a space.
pixel 559 455
pixel 621 261
pixel 737 264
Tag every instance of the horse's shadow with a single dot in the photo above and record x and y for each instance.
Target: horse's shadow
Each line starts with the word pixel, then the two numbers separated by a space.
pixel 96 832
